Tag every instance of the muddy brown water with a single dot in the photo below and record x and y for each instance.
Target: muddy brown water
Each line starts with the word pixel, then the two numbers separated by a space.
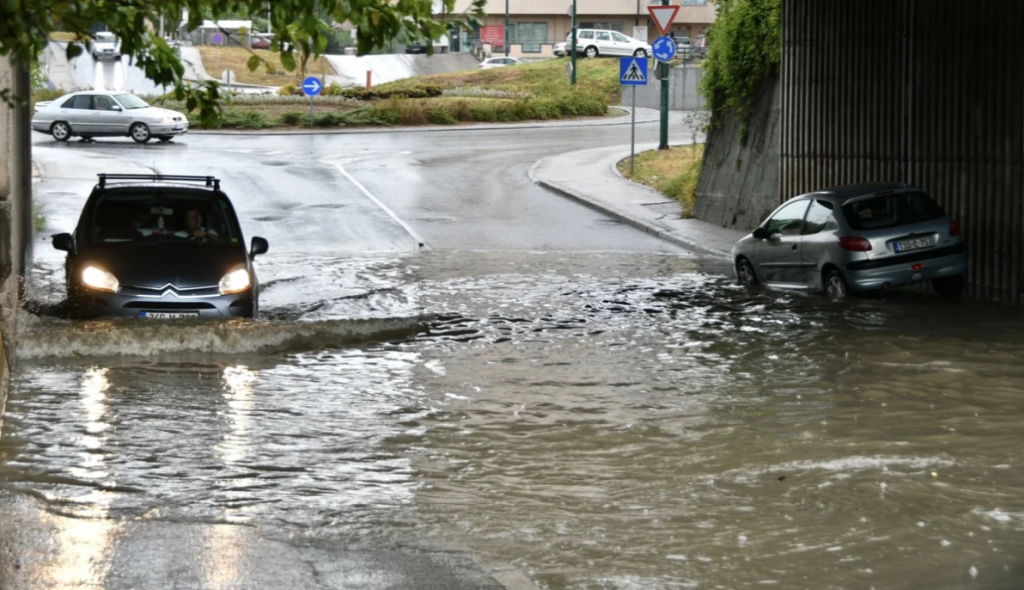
pixel 600 421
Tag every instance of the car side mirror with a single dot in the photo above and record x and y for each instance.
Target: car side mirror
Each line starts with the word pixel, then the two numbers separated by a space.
pixel 115 108
pixel 761 233
pixel 259 246
pixel 64 242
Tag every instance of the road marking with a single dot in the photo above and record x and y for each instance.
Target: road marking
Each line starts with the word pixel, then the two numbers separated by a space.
pixel 384 207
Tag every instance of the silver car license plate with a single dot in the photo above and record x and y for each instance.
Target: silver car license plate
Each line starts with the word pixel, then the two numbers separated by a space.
pixel 168 315
pixel 914 244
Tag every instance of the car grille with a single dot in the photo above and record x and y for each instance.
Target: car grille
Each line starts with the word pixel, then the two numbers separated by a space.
pixel 155 305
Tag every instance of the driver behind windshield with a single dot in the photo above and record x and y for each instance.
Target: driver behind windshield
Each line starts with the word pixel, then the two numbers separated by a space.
pixel 194 229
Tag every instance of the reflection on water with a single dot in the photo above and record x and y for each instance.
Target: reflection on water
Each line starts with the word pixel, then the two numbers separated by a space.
pixel 599 421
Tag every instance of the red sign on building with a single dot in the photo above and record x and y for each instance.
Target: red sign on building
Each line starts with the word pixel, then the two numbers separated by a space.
pixel 493 34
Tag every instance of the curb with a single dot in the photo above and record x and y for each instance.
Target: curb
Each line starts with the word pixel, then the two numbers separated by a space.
pixel 431 129
pixel 601 208
pixel 658 232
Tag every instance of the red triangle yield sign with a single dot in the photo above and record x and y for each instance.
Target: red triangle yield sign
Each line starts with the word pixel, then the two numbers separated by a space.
pixel 663 16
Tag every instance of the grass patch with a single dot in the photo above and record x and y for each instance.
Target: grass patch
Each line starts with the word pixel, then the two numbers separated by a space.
pixel 673 172
pixel 236 59
pixel 38 218
pixel 63 37
pixel 538 78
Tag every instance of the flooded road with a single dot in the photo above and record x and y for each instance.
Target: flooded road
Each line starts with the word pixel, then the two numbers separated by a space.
pixel 600 420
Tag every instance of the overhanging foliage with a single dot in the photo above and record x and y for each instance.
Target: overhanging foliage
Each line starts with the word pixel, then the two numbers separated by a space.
pixel 300 32
pixel 745 49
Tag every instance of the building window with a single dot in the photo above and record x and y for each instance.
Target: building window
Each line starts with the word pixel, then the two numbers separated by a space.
pixel 530 35
pixel 694 2
pixel 602 26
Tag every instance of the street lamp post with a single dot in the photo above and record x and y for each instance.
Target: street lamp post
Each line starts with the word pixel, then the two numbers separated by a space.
pixel 572 46
pixel 506 28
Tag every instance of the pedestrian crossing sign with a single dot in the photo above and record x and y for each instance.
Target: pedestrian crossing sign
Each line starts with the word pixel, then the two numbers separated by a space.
pixel 633 71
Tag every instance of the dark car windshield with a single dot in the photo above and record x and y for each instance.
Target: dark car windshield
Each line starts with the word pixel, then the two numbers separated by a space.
pixel 891 210
pixel 162 218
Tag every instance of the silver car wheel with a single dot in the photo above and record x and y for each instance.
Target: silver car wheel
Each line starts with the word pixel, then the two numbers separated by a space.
pixel 60 131
pixel 640 53
pixel 835 286
pixel 140 133
pixel 592 52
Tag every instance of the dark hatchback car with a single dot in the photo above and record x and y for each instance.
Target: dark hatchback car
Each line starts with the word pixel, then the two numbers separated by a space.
pixel 160 247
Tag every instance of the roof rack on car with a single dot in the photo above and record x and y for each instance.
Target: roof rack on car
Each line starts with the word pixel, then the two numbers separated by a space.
pixel 207 180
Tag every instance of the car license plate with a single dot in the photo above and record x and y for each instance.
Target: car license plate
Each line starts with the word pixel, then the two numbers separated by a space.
pixel 168 315
pixel 914 244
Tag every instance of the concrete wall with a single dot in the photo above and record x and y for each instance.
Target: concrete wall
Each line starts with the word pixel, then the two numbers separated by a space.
pixel 930 93
pixel 683 95
pixel 739 184
pixel 15 210
pixel 388 68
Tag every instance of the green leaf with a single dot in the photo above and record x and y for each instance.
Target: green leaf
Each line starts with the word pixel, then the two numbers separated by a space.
pixel 73 50
pixel 288 60
pixel 254 62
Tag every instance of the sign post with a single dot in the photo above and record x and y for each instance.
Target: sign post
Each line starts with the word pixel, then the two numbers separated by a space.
pixel 217 40
pixel 633 72
pixel 572 46
pixel 663 16
pixel 312 87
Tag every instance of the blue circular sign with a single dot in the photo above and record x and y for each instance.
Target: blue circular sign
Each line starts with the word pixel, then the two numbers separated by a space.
pixel 217 38
pixel 664 48
pixel 312 86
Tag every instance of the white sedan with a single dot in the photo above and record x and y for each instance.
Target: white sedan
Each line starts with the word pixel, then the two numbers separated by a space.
pixel 107 114
pixel 499 62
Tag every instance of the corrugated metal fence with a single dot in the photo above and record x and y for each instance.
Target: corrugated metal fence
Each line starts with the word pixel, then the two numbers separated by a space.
pixel 928 92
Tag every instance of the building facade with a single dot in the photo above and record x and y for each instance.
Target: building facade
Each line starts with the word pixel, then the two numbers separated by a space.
pixel 536 25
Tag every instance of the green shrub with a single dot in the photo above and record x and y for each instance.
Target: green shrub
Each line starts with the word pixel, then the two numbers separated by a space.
pixel 745 49
pixel 232 119
pixel 442 115
pixel 289 89
pixel 329 119
pixel 292 118
pixel 333 89
pixel 424 91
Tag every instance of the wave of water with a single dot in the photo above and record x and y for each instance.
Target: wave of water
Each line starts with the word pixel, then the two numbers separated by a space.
pixel 50 338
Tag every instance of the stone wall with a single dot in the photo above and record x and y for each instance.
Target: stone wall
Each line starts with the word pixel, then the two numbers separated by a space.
pixel 739 184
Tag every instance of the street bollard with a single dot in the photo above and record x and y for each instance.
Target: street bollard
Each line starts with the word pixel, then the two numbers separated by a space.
pixel 369 74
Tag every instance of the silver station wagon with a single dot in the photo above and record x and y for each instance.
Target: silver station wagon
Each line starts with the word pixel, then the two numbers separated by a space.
pixel 855 238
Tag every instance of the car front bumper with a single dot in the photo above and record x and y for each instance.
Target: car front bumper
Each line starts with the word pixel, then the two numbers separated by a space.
pixel 871 275
pixel 86 303
pixel 169 128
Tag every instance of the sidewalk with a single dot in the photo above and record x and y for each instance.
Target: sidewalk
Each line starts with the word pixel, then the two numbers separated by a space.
pixel 590 177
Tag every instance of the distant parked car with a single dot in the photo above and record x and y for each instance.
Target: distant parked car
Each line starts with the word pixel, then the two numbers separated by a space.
pixel 260 43
pixel 855 238
pixel 684 48
pixel 499 62
pixel 561 49
pixel 415 47
pixel 597 42
pixel 106 45
pixel 107 114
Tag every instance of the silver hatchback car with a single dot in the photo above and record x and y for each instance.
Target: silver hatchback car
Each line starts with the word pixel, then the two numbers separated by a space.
pixel 855 238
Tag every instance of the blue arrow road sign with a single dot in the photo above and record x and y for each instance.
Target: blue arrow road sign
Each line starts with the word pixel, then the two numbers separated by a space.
pixel 633 71
pixel 312 86
pixel 664 48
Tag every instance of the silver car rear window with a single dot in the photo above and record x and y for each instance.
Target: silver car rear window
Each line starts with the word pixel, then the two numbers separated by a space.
pixel 891 210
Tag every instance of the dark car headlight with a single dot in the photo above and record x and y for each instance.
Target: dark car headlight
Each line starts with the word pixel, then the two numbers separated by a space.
pixel 98 279
pixel 235 281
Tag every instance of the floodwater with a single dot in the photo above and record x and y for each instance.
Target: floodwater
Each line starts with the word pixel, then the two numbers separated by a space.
pixel 598 420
